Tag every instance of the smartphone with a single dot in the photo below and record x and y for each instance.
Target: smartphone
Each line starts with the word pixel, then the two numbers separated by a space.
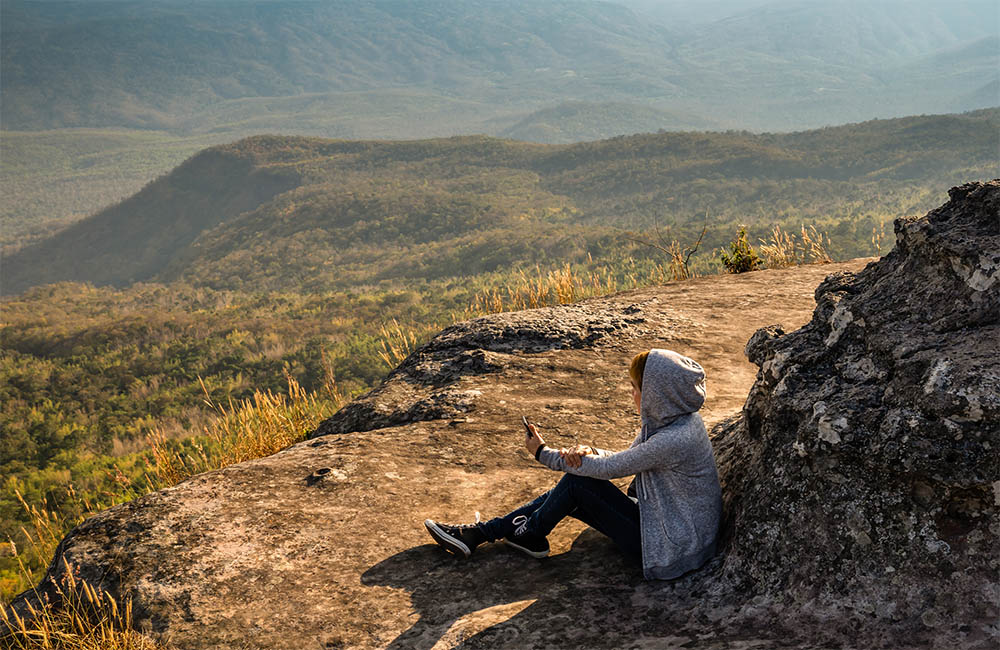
pixel 527 429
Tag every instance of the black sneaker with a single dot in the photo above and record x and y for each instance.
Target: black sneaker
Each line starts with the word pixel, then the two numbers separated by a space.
pixel 460 540
pixel 527 543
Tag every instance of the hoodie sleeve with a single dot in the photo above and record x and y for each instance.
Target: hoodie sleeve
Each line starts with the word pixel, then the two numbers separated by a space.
pixel 605 452
pixel 641 456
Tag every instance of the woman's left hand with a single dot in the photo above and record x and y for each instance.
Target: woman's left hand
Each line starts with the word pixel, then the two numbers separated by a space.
pixel 574 455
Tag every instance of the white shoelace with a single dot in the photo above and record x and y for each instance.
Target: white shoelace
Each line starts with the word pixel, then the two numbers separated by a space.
pixel 522 524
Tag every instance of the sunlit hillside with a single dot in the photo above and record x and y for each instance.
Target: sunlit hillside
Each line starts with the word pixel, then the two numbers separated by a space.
pixel 287 213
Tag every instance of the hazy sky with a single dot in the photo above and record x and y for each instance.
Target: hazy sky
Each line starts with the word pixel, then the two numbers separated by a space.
pixel 709 10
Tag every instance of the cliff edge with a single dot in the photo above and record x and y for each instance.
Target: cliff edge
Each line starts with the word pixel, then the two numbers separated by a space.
pixel 860 478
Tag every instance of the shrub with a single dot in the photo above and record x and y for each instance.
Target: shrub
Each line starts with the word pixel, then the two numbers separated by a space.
pixel 741 256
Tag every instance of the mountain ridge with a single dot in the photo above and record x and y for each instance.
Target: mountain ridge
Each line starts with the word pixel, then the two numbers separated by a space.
pixel 313 206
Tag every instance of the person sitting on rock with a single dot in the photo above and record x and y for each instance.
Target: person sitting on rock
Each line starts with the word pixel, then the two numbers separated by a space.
pixel 670 526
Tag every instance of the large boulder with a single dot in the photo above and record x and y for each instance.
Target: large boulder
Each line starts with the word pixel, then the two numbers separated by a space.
pixel 863 478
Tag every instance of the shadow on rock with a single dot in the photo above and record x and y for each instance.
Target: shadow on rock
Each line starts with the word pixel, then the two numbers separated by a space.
pixel 592 576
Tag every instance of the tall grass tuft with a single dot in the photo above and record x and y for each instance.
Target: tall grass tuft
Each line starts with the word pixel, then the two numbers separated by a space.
pixel 783 249
pixel 396 344
pixel 565 285
pixel 259 426
pixel 86 619
pixel 817 245
pixel 780 251
pixel 38 545
pixel 878 237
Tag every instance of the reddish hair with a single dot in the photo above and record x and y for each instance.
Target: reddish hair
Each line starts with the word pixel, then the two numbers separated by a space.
pixel 637 367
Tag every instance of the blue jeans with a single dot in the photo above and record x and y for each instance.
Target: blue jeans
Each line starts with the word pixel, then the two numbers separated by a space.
pixel 595 502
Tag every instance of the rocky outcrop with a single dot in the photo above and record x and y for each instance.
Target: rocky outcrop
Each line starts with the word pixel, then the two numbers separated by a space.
pixel 423 386
pixel 863 478
pixel 321 545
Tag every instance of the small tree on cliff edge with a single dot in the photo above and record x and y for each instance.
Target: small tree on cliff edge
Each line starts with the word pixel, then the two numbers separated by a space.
pixel 741 256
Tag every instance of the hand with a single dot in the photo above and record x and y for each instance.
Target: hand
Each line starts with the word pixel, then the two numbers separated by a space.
pixel 534 441
pixel 574 455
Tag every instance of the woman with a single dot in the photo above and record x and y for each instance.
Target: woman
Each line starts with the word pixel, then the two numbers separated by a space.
pixel 672 524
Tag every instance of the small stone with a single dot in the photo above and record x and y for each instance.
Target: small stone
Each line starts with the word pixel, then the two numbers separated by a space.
pixel 923 494
pixel 828 430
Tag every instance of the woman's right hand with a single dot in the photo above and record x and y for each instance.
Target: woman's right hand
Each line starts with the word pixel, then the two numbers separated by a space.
pixel 533 441
pixel 574 455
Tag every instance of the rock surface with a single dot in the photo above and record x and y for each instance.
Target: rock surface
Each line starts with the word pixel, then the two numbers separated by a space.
pixel 423 387
pixel 860 477
pixel 864 477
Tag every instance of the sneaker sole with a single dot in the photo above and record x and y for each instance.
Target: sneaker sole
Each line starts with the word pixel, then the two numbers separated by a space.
pixel 526 550
pixel 450 543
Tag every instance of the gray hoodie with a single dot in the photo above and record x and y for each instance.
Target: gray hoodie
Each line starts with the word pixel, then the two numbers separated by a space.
pixel 680 501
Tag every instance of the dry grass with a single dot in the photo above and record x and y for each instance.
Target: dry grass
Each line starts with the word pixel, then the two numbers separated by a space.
pixel 88 619
pixel 783 249
pixel 780 251
pixel 38 547
pixel 564 286
pixel 259 426
pixel 396 344
pixel 878 237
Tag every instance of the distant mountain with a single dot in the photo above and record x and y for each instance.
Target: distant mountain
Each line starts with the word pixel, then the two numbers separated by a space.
pixel 965 75
pixel 276 212
pixel 151 63
pixel 843 34
pixel 571 121
pixel 392 68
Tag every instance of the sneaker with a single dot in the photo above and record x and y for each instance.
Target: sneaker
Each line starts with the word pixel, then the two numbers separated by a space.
pixel 460 540
pixel 528 543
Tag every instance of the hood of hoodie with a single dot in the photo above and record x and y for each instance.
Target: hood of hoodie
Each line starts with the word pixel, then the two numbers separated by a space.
pixel 672 385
